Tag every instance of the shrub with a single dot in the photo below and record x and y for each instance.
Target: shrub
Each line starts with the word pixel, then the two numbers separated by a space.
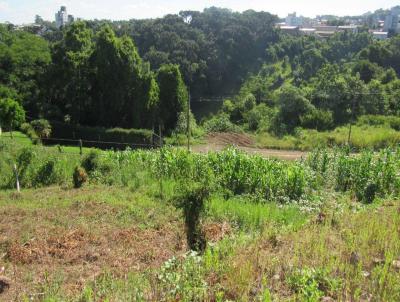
pixel 47 174
pixel 312 284
pixel 192 200
pixel 317 119
pixel 91 162
pixel 24 160
pixel 79 177
pixel 28 130
pixel 380 120
pixel 228 107
pixel 221 123
pixel 42 128
pixel 181 126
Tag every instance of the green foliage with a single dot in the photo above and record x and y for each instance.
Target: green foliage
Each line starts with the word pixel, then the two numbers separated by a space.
pixel 24 58
pixel 367 175
pixel 28 130
pixel 184 278
pixel 220 123
pixel 118 135
pixel 192 199
pixel 173 95
pixel 312 284
pixel 380 120
pixel 292 105
pixel 12 115
pixel 317 119
pixel 47 174
pixel 91 162
pixel 42 128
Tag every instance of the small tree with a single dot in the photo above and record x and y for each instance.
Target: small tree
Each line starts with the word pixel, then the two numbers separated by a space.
pixel 12 114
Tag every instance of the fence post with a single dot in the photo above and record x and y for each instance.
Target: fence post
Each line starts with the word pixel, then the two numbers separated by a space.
pixel 161 164
pixel 80 147
pixel 16 177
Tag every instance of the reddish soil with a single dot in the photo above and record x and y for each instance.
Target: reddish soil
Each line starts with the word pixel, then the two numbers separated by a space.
pixel 219 141
pixel 80 242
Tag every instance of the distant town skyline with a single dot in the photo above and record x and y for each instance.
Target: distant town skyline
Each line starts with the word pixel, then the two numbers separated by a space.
pixel 24 11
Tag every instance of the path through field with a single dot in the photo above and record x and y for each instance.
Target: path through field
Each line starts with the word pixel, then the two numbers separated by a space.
pixel 219 141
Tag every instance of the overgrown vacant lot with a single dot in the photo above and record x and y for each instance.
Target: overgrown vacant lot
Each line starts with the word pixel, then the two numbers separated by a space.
pixel 324 229
pixel 99 242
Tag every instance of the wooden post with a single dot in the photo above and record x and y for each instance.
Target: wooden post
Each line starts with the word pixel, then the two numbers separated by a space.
pixel 80 147
pixel 17 178
pixel 161 164
pixel 349 137
pixel 188 123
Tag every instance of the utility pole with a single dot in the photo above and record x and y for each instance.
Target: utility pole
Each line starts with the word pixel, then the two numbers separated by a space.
pixel 351 120
pixel 188 123
pixel 188 19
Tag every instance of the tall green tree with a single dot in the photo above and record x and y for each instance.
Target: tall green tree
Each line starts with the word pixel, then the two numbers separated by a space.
pixel 24 58
pixel 292 105
pixel 69 74
pixel 173 95
pixel 116 79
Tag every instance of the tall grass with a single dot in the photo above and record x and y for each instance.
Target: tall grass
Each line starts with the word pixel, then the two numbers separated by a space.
pixel 373 136
pixel 367 174
pixel 230 172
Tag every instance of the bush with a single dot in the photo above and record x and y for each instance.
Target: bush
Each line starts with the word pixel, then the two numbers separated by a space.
pixel 221 123
pixel 192 200
pixel 317 119
pixel 313 284
pixel 79 177
pixel 91 162
pixel 47 174
pixel 42 128
pixel 380 120
pixel 181 126
pixel 228 107
pixel 28 130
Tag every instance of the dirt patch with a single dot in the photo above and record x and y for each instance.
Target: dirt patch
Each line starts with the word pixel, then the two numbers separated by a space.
pixel 217 231
pixel 237 139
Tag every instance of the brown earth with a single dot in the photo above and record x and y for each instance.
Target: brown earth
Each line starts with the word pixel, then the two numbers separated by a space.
pixel 219 141
pixel 81 240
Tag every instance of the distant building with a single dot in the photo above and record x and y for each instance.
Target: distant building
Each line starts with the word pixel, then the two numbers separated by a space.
pixel 392 21
pixel 293 20
pixel 291 30
pixel 349 28
pixel 62 17
pixel 308 31
pixel 380 35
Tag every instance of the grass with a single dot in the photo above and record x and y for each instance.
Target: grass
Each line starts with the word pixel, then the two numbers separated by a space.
pixel 276 231
pixel 109 243
pixel 363 136
pixel 247 215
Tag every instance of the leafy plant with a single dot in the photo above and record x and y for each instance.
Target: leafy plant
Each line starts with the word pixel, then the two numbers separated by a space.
pixel 192 199
pixel 312 284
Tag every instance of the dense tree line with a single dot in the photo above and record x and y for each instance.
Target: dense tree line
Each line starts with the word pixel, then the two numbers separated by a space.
pixel 320 84
pixel 87 78
pixel 134 74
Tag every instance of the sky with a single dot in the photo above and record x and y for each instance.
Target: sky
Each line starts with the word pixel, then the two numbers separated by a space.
pixel 24 11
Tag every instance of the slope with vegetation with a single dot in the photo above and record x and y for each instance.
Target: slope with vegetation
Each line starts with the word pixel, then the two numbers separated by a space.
pixel 262 229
